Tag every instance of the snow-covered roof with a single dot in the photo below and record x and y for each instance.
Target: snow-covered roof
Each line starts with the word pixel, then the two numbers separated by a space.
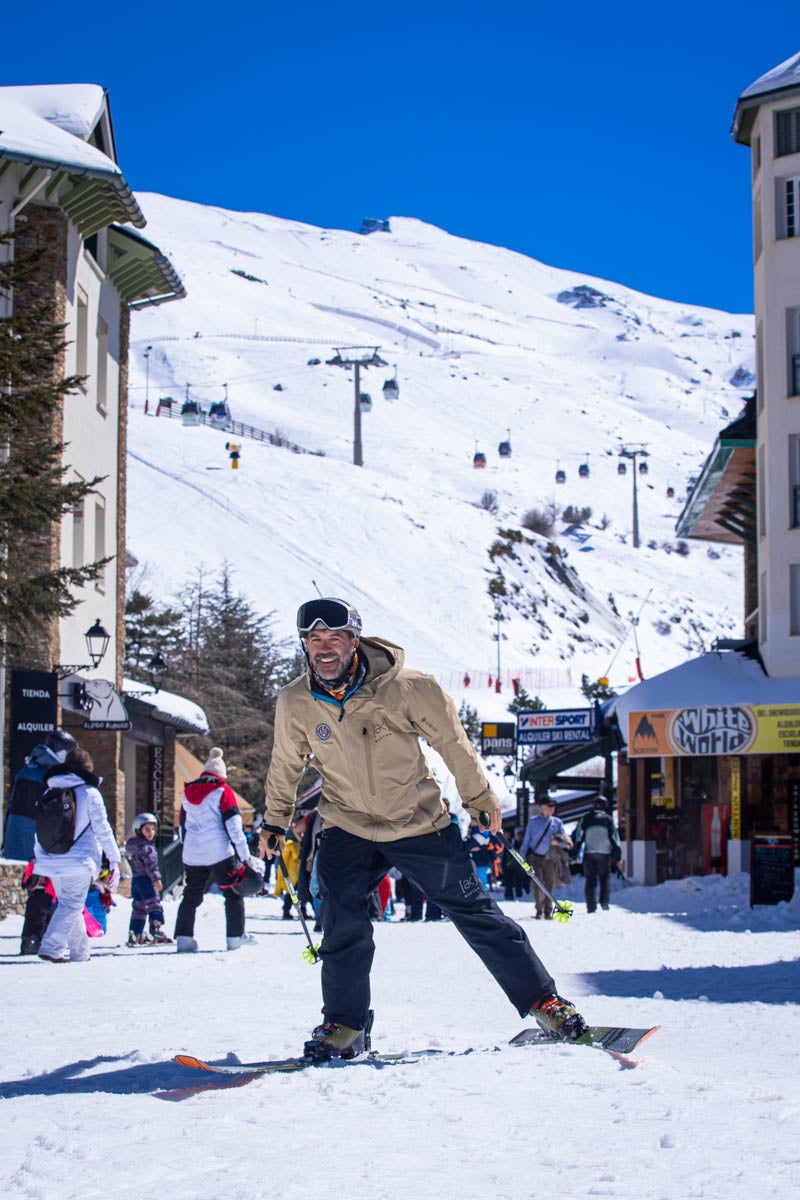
pixel 167 706
pixel 783 78
pixel 44 141
pixel 785 75
pixel 73 107
pixel 719 677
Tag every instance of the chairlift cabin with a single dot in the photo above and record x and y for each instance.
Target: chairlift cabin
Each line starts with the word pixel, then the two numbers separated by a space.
pixel 164 406
pixel 191 413
pixel 643 468
pixel 583 470
pixel 219 415
pixel 504 449
pixel 390 389
pixel 622 468
pixel 561 476
pixel 365 402
pixel 479 459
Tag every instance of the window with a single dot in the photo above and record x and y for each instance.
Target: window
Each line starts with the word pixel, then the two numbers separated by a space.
pixel 756 155
pixel 794 481
pixel 760 366
pixel 78 526
pixel 82 333
pixel 794 599
pixel 793 351
pixel 762 610
pixel 758 240
pixel 100 541
pixel 102 365
pixel 787 132
pixel 762 494
pixel 787 207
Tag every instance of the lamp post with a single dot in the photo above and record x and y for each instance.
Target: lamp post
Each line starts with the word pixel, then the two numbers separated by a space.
pixel 634 452
pixel 97 638
pixel 357 357
pixel 147 379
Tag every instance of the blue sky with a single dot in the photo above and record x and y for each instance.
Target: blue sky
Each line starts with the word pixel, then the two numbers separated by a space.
pixel 593 137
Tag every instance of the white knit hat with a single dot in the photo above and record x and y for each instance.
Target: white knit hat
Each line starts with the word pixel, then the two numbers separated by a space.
pixel 214 764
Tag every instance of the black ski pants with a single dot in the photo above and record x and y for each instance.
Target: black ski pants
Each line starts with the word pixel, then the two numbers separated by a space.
pixel 198 880
pixel 597 867
pixel 351 867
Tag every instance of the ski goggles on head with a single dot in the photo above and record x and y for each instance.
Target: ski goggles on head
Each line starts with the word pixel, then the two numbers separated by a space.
pixel 328 613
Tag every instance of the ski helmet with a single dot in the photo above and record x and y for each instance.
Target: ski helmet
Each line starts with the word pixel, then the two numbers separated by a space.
pixel 60 742
pixel 329 613
pixel 144 819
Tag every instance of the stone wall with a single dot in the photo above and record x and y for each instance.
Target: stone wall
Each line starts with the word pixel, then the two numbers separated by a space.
pixel 12 895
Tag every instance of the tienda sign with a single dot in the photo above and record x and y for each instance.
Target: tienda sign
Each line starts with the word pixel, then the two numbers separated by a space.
pixel 555 726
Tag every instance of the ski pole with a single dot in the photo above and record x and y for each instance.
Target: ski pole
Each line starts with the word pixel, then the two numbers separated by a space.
pixel 312 954
pixel 562 912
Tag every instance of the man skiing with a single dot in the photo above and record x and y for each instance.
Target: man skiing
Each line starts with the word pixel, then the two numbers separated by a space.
pixel 360 714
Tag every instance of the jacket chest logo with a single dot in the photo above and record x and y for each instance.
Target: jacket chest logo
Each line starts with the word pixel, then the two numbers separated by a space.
pixel 323 732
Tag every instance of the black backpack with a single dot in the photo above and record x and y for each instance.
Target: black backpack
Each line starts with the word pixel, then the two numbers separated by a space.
pixel 55 820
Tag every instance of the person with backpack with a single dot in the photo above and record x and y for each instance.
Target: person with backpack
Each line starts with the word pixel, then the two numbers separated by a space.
pixel 538 851
pixel 597 834
pixel 72 833
pixel 28 782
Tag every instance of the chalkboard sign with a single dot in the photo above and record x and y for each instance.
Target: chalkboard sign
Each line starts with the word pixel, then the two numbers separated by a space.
pixel 771 868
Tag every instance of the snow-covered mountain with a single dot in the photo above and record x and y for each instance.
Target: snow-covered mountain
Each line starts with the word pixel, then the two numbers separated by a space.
pixel 487 345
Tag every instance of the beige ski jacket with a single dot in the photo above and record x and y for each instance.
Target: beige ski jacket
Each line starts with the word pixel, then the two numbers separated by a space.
pixel 376 782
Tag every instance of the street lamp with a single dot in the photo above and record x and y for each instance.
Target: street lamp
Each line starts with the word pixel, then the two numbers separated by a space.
pixel 147 379
pixel 97 639
pixel 157 669
pixel 357 357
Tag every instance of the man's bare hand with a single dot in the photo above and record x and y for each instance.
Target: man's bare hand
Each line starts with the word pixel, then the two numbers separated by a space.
pixel 270 844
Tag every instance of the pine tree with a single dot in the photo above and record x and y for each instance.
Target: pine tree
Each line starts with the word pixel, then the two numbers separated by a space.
pixel 522 702
pixel 34 496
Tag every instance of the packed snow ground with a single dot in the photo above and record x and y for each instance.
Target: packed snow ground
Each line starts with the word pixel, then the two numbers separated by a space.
pixel 93 1106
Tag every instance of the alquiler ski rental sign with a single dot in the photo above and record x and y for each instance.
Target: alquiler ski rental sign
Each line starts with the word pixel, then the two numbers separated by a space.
pixel 555 727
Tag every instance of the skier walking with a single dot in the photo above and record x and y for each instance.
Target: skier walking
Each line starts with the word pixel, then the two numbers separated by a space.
pixel 211 827
pixel 597 833
pixel 361 714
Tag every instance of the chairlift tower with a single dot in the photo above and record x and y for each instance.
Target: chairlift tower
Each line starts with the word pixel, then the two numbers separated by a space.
pixel 634 452
pixel 357 357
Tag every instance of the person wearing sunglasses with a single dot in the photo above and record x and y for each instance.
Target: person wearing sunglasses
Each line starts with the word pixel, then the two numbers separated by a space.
pixel 359 714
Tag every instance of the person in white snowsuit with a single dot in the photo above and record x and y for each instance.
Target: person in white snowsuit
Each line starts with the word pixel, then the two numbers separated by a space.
pixel 65 939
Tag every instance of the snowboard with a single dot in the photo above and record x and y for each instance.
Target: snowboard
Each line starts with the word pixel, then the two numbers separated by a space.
pixel 617 1040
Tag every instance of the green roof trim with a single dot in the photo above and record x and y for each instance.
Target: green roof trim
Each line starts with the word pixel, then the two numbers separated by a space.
pixel 140 272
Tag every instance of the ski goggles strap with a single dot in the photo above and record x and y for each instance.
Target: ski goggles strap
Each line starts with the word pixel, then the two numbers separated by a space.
pixel 330 613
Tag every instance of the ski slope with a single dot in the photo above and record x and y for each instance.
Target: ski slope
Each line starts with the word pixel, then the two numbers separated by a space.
pixel 483 350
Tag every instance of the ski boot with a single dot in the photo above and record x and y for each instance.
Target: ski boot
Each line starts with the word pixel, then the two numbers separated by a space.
pixel 333 1040
pixel 137 939
pixel 30 944
pixel 160 938
pixel 558 1017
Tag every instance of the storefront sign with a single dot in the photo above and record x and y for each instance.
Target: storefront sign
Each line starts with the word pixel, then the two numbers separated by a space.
pixel 556 726
pixel 105 706
pixel 498 739
pixel 771 868
pixel 715 730
pixel 34 711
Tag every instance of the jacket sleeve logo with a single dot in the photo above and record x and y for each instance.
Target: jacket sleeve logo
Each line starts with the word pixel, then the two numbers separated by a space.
pixel 323 732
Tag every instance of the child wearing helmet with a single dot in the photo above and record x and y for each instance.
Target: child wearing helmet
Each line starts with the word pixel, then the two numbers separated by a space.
pixel 145 883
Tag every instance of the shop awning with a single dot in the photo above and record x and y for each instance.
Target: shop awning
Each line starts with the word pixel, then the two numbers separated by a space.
pixel 558 759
